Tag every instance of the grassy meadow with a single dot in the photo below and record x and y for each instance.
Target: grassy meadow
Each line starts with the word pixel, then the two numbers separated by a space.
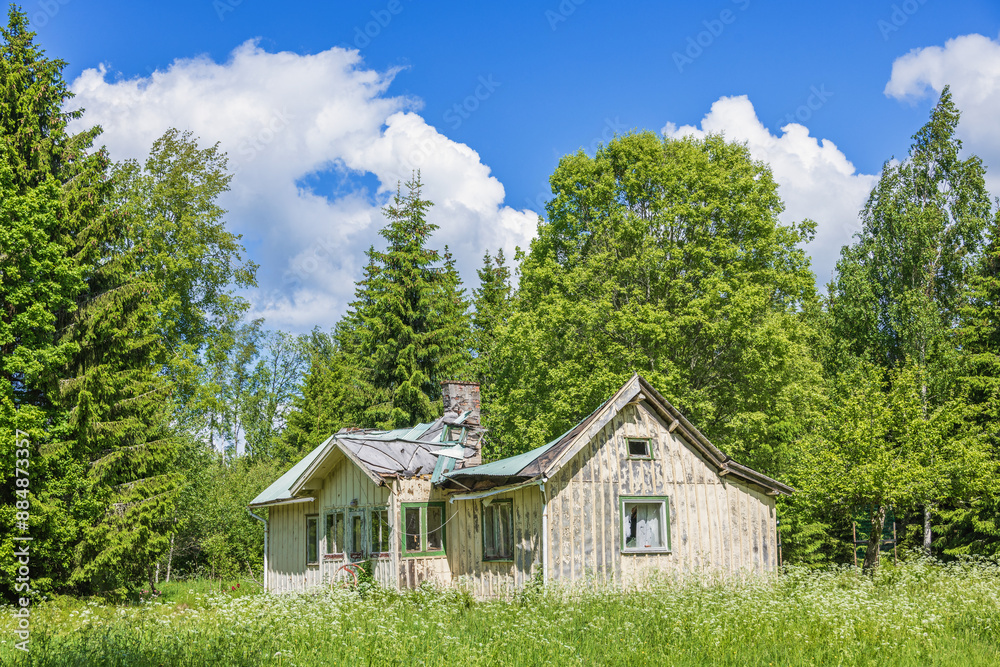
pixel 920 613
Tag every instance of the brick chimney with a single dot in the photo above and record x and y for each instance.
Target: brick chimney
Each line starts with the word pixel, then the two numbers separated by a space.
pixel 460 397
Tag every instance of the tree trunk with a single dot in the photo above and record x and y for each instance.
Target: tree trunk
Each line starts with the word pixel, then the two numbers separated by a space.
pixel 170 557
pixel 874 541
pixel 928 533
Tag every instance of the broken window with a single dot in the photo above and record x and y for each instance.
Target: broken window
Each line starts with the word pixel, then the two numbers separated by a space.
pixel 638 448
pixel 645 523
pixel 312 540
pixel 379 531
pixel 412 528
pixel 424 526
pixel 335 543
pixel 435 528
pixel 498 530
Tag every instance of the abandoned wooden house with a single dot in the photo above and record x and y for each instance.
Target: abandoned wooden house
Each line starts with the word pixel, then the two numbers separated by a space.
pixel 631 490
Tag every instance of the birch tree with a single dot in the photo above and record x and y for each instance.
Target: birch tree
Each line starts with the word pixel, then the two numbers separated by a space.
pixel 899 287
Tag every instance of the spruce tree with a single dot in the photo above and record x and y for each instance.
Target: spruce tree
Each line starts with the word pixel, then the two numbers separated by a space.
pixel 972 526
pixel 408 324
pixel 53 188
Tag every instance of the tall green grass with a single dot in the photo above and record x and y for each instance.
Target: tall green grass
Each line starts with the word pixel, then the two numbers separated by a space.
pixel 920 613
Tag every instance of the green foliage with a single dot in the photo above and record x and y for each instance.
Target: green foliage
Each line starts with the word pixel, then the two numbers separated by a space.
pixel 493 301
pixel 215 536
pixel 663 257
pixel 894 315
pixel 53 195
pixel 334 393
pixel 875 446
pixel 185 246
pixel 408 326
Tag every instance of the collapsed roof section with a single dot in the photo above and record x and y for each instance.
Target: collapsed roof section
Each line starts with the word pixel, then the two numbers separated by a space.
pixel 451 442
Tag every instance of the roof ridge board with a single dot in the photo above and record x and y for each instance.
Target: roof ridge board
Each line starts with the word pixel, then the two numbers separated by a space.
pixel 758 477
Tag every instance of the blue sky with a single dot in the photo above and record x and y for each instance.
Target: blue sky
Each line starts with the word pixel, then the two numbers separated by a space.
pixel 324 105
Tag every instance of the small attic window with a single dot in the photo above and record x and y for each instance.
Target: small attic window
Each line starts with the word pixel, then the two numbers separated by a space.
pixel 453 433
pixel 638 448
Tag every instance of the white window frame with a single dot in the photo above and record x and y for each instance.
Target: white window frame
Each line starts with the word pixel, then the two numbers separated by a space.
pixel 491 527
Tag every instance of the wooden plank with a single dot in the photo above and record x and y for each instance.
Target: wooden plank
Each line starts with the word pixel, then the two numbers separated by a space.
pixel 765 535
pixel 745 529
pixel 755 536
pixel 722 512
pixel 712 501
pixel 589 528
pixel 566 518
pixel 736 544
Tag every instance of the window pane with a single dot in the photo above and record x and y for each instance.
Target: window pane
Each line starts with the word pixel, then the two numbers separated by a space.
pixel 643 529
pixel 649 526
pixel 638 448
pixel 412 521
pixel 312 543
pixel 435 519
pixel 335 533
pixel 631 518
pixel 380 531
pixel 357 534
pixel 505 532
pixel 489 531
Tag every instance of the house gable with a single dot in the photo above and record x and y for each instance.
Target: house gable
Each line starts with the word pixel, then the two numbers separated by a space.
pixel 546 461
pixel 714 521
pixel 312 478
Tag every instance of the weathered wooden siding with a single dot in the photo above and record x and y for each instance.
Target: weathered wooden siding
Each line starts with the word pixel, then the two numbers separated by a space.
pixel 715 524
pixel 287 525
pixel 414 570
pixel 286 558
pixel 343 486
pixel 495 578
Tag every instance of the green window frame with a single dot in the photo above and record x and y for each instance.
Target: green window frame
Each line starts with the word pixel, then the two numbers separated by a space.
pixel 312 539
pixel 639 448
pixel 422 529
pixel 645 524
pixel 498 530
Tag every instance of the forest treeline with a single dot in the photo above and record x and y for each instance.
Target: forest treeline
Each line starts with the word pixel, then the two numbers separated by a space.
pixel 149 408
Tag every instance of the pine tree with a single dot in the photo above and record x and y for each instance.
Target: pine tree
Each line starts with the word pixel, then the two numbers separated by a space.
pixel 408 324
pixel 493 301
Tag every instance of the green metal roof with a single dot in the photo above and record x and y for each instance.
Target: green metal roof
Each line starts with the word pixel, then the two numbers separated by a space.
pixel 280 490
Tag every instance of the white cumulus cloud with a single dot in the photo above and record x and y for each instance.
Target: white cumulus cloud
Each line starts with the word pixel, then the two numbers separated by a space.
pixel 970 64
pixel 287 119
pixel 815 179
